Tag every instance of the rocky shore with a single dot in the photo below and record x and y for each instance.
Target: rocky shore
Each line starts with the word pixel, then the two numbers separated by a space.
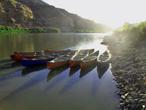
pixel 129 69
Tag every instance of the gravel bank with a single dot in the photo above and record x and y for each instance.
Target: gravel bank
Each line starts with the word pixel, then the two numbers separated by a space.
pixel 129 69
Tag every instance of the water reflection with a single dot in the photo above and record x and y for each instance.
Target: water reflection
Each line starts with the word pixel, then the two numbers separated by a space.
pixel 62 88
pixel 30 42
pixel 8 66
pixel 87 70
pixel 73 70
pixel 55 72
pixel 56 80
pixel 27 71
pixel 102 68
pixel 61 84
pixel 34 81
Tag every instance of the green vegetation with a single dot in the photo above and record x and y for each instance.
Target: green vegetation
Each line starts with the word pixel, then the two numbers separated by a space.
pixel 135 30
pixel 88 30
pixel 132 32
pixel 4 29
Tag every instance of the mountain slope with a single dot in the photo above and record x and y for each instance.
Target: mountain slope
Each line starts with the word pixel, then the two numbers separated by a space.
pixel 36 13
pixel 13 13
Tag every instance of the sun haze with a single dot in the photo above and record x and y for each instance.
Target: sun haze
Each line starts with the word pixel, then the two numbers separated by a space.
pixel 110 12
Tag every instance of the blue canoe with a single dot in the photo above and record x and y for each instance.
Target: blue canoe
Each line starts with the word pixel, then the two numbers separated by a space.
pixel 35 61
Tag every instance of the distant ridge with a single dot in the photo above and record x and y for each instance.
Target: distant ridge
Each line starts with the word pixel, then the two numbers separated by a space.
pixel 36 13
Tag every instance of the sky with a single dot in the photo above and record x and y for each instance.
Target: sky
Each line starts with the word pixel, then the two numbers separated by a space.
pixel 110 12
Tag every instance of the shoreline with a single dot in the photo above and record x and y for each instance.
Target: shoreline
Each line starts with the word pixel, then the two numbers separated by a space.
pixel 129 70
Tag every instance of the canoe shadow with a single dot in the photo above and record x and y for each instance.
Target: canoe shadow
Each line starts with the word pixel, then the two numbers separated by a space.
pixel 87 70
pixel 56 76
pixel 102 68
pixel 27 71
pixel 55 72
pixel 76 78
pixel 73 70
pixel 8 65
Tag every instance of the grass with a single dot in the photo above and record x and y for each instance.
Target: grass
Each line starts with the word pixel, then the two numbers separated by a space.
pixel 4 29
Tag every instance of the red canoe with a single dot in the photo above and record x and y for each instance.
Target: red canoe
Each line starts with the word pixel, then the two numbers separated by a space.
pixel 60 61
pixel 18 56
pixel 65 59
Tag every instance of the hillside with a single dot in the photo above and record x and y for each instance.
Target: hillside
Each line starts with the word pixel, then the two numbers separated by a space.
pixel 36 13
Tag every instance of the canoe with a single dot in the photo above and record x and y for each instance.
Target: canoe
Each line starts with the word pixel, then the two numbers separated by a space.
pixel 64 59
pixel 104 57
pixel 18 56
pixel 44 58
pixel 79 56
pixel 103 63
pixel 60 61
pixel 89 60
pixel 35 61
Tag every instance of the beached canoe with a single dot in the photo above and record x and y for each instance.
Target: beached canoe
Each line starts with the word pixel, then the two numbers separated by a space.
pixel 35 61
pixel 79 56
pixel 43 58
pixel 103 63
pixel 89 60
pixel 104 57
pixel 18 56
pixel 60 61
pixel 64 59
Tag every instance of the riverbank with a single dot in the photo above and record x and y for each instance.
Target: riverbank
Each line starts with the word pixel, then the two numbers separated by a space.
pixel 6 29
pixel 129 69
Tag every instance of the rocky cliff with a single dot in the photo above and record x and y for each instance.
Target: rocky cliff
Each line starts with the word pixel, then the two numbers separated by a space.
pixel 36 13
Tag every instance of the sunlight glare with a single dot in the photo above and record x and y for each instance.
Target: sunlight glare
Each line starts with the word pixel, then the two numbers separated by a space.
pixel 110 12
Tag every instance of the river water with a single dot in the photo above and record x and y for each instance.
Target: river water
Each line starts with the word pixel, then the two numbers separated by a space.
pixel 37 89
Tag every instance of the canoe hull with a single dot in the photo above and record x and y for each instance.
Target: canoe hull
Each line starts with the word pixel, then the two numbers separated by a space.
pixel 102 65
pixel 74 64
pixel 19 56
pixel 53 65
pixel 89 60
pixel 30 62
pixel 84 65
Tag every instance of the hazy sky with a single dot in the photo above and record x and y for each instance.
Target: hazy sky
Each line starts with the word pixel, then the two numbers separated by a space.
pixel 110 12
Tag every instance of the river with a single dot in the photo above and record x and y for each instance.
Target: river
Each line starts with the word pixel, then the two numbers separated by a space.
pixel 33 89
